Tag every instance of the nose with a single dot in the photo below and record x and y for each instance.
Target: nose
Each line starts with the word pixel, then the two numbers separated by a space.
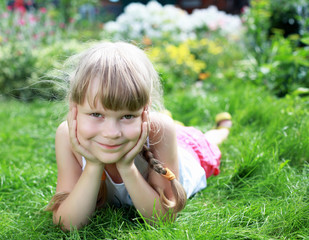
pixel 110 129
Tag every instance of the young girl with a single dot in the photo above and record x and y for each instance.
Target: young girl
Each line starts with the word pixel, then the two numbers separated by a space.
pixel 116 148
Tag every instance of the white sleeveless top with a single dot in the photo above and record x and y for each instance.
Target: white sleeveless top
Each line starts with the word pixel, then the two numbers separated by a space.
pixel 191 175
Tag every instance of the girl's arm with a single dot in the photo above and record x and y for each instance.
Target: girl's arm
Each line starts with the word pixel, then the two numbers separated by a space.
pixel 82 186
pixel 145 195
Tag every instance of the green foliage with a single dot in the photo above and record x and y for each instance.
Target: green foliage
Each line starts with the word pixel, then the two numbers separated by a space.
pixel 23 38
pixel 182 65
pixel 275 37
pixel 17 64
pixel 67 9
pixel 24 72
pixel 186 68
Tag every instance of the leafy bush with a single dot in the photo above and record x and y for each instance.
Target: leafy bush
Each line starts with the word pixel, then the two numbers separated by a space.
pixel 17 64
pixel 278 57
pixel 178 67
pixel 31 43
pixel 35 27
pixel 191 61
pixel 24 71
pixel 265 18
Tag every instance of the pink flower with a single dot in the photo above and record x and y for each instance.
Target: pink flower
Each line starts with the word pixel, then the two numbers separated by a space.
pixel 21 9
pixel 21 22
pixel 32 19
pixel 5 15
pixel 9 8
pixel 61 25
pixel 43 10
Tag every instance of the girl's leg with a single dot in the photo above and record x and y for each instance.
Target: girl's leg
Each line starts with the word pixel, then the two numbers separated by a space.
pixel 218 135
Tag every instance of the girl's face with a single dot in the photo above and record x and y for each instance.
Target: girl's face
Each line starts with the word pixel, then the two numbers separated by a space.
pixel 108 134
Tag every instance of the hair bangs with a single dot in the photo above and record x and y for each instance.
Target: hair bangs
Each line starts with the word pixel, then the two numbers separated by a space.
pixel 117 87
pixel 118 76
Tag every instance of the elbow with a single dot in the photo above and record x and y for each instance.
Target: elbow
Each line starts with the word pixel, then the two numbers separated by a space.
pixel 66 223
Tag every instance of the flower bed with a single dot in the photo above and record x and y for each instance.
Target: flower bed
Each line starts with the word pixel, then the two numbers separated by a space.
pixel 170 23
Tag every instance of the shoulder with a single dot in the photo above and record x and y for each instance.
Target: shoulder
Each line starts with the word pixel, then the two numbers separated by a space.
pixel 162 127
pixel 64 150
pixel 163 145
pixel 163 141
pixel 62 130
pixel 68 162
pixel 63 142
pixel 62 139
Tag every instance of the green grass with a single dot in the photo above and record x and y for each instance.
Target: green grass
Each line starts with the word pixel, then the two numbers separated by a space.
pixel 261 193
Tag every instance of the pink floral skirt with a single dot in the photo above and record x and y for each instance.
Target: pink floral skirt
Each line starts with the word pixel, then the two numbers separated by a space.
pixel 194 141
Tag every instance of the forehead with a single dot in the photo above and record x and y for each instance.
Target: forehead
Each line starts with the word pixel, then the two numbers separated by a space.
pixel 93 94
pixel 101 94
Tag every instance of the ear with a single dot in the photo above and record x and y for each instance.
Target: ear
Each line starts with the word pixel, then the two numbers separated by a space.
pixel 71 105
pixel 147 106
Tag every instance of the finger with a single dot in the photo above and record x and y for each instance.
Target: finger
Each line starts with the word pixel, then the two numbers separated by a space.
pixel 72 114
pixel 146 119
pixel 76 145
pixel 72 132
pixel 143 136
pixel 72 122
pixel 139 145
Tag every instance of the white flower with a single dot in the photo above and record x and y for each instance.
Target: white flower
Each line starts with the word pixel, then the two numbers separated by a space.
pixel 155 21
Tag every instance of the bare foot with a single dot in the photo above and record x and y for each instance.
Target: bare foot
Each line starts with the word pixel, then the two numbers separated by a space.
pixel 218 135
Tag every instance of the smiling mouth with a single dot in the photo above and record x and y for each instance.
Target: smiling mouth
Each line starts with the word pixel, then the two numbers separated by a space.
pixel 107 146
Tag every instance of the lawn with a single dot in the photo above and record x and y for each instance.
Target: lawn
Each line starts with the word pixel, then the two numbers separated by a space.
pixel 253 70
pixel 261 193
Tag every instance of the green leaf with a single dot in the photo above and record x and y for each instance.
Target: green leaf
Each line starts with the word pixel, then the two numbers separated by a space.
pixel 301 91
pixel 301 60
pixel 305 40
pixel 282 165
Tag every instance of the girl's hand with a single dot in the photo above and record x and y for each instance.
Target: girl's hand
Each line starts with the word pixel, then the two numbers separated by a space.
pixel 77 147
pixel 128 158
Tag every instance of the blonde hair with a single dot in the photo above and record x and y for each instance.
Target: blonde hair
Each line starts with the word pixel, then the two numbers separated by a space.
pixel 122 73
pixel 124 78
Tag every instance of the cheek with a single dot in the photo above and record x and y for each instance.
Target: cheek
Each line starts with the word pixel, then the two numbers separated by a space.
pixel 133 132
pixel 85 129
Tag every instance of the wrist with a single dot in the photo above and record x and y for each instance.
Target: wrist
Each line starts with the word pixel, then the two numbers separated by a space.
pixel 94 168
pixel 95 162
pixel 125 168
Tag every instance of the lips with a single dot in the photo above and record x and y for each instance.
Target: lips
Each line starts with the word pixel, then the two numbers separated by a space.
pixel 110 146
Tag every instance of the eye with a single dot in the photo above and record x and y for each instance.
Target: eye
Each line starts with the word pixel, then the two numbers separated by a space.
pixel 128 117
pixel 96 115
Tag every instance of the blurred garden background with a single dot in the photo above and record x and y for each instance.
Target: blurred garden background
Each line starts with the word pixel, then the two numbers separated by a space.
pixel 249 58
